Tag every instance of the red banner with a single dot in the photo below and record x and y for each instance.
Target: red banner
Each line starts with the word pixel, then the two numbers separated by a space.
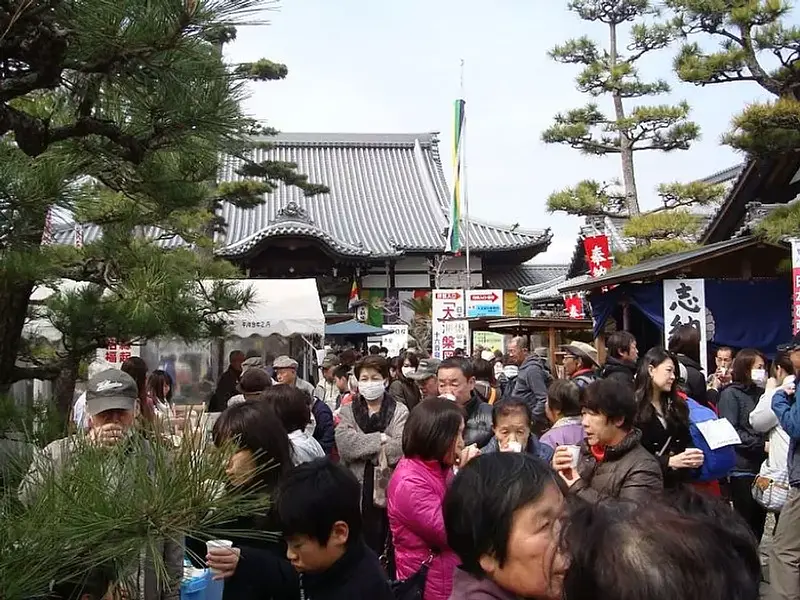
pixel 795 286
pixel 598 256
pixel 574 306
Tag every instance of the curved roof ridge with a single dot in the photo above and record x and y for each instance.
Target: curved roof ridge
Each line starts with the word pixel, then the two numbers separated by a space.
pixel 364 140
pixel 508 228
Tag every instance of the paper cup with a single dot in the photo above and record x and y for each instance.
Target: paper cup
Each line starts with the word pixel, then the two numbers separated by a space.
pixel 575 455
pixel 514 447
pixel 218 544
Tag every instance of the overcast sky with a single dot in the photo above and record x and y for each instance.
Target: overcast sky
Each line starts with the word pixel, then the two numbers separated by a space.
pixel 386 66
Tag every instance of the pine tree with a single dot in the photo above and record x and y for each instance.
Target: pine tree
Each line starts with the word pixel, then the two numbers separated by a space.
pixel 609 72
pixel 118 113
pixel 756 44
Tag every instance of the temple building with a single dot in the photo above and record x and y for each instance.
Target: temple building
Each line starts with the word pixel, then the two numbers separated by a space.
pixel 383 223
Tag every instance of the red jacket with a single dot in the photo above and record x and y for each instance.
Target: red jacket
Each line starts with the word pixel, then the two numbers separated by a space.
pixel 414 504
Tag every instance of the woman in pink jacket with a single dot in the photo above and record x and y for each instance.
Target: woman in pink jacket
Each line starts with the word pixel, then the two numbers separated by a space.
pixel 432 444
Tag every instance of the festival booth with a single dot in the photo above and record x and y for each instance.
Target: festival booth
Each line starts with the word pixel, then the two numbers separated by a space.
pixel 734 293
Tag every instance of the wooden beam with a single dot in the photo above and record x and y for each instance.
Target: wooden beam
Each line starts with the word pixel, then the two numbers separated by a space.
pixel 600 344
pixel 553 346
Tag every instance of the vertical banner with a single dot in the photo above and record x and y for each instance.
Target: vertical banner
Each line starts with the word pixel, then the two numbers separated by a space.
pixel 453 243
pixel 795 286
pixel 598 255
pixel 510 303
pixel 574 306
pixel 448 306
pixel 685 304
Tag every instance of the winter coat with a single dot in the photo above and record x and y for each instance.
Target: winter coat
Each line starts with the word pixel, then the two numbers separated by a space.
pixel 567 431
pixel 150 584
pixel 356 447
pixel 469 587
pixel 486 392
pixel 535 447
pixel 695 386
pixel 736 402
pixel 788 413
pixel 324 430
pixel 676 438
pixel 405 392
pixel 626 472
pixel 357 575
pixel 304 447
pixel 415 496
pixel 226 388
pixel 478 428
pixel 531 384
pixel 764 420
pixel 623 371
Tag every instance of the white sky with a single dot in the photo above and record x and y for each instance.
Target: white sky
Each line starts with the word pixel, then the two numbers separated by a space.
pixel 386 66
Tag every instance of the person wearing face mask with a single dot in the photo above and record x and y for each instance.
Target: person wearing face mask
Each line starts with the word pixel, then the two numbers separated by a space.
pixel 736 402
pixel 402 388
pixel 369 438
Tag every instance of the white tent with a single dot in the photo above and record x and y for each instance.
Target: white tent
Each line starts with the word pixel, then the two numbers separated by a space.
pixel 282 306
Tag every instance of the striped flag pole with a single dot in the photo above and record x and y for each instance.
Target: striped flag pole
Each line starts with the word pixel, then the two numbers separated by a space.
pixel 453 244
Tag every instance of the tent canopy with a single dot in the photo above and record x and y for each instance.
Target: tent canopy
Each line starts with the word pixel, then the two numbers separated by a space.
pixel 353 327
pixel 279 306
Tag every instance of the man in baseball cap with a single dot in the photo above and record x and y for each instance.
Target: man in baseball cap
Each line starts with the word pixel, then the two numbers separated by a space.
pixel 426 377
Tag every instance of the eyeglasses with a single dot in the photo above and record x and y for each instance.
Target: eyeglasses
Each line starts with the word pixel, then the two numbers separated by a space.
pixel 790 347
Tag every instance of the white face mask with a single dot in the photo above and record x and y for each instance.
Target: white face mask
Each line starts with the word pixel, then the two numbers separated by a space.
pixel 511 371
pixel 371 390
pixel 408 371
pixel 758 376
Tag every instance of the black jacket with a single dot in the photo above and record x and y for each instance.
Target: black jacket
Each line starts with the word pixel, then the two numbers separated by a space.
pixel 676 438
pixel 623 371
pixel 736 402
pixel 324 431
pixel 478 428
pixel 263 572
pixel 695 386
pixel 356 576
pixel 531 384
pixel 226 389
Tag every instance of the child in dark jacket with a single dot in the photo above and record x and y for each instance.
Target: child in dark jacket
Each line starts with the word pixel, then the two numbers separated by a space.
pixel 318 506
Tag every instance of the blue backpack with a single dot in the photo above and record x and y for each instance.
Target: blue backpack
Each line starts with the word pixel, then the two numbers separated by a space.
pixel 717 463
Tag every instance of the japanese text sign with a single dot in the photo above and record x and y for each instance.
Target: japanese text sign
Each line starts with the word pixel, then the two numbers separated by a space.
pixel 685 304
pixel 795 286
pixel 116 352
pixel 484 303
pixel 574 306
pixel 448 305
pixel 598 255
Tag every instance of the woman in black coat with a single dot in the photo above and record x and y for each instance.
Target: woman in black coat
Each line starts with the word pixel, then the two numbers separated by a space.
pixel 685 344
pixel 736 402
pixel 256 567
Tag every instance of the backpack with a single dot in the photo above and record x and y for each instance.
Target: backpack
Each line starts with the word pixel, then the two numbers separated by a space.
pixel 583 381
pixel 718 463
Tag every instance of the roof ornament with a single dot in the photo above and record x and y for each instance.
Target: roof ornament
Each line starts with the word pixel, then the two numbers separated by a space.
pixel 293 212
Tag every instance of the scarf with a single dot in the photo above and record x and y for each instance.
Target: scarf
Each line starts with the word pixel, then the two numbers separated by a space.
pixel 378 422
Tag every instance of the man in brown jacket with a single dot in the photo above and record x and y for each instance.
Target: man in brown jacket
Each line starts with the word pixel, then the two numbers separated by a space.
pixel 611 463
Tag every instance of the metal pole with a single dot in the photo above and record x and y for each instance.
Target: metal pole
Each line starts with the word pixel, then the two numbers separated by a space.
pixel 464 186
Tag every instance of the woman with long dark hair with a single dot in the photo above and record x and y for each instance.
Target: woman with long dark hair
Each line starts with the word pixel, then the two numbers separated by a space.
pixel 663 417
pixel 685 345
pixel 402 388
pixel 736 402
pixel 137 368
pixel 159 390
pixel 254 568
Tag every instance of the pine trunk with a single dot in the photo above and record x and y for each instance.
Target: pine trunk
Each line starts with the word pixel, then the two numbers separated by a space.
pixel 625 146
pixel 64 389
pixel 14 299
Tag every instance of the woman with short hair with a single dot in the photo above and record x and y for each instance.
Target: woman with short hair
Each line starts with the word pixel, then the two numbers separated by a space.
pixel 502 515
pixel 432 445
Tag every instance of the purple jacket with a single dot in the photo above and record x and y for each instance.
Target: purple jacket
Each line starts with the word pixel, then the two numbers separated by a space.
pixel 564 432
pixel 414 504
pixel 468 587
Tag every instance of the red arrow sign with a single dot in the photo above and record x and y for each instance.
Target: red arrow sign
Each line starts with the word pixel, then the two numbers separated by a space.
pixel 484 297
pixel 454 295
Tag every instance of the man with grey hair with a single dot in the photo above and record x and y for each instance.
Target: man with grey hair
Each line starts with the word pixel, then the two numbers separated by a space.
pixel 532 381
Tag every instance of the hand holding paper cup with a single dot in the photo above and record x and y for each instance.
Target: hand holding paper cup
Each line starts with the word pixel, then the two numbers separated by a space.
pixel 221 557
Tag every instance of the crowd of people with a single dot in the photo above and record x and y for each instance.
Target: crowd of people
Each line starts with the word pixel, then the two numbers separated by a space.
pixel 487 477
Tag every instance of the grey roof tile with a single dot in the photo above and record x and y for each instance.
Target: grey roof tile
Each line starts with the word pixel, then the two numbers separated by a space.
pixel 522 276
pixel 388 196
pixel 549 291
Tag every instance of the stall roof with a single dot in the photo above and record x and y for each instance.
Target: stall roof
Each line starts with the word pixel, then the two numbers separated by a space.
pixel 663 265
pixel 513 324
pixel 353 327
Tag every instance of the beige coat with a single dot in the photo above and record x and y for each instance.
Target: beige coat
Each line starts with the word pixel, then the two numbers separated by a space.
pixel 356 447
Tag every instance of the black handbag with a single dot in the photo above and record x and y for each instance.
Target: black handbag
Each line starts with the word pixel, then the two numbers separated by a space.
pixel 413 588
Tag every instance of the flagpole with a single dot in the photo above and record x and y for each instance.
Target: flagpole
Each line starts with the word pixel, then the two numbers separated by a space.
pixel 464 187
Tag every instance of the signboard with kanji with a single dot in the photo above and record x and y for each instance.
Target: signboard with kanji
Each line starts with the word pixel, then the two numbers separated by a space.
pixel 117 353
pixel 448 305
pixel 598 255
pixel 795 286
pixel 484 303
pixel 685 304
pixel 574 307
